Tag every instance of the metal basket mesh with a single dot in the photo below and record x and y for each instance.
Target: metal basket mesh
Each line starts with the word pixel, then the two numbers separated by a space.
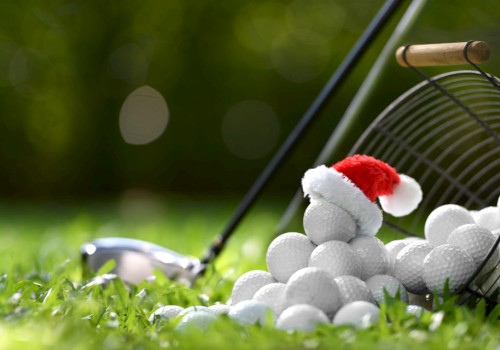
pixel 444 132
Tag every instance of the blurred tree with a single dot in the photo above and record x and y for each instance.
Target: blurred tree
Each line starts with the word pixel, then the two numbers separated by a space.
pixel 67 66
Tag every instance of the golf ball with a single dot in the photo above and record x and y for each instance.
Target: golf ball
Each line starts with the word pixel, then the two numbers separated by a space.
pixel 166 313
pixel 314 286
pixel 302 317
pixel 324 222
pixel 353 289
pixel 477 241
pixel 199 320
pixel 416 310
pixel 443 220
pixel 380 283
pixel 287 254
pixel 250 312
pixel 248 284
pixel 194 308
pixel 447 262
pixel 393 248
pixel 219 309
pixel 372 253
pixel 337 257
pixel 273 295
pixel 360 314
pixel 488 218
pixel 408 267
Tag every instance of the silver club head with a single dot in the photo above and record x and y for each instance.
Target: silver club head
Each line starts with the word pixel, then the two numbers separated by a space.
pixel 137 260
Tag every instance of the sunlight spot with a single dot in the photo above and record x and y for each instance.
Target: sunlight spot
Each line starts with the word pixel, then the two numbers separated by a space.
pixel 250 129
pixel 90 249
pixel 144 116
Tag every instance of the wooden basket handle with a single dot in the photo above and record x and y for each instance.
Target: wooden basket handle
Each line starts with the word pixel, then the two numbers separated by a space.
pixel 445 54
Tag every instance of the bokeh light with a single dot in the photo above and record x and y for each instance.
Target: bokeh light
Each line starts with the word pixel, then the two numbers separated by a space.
pixel 250 129
pixel 144 116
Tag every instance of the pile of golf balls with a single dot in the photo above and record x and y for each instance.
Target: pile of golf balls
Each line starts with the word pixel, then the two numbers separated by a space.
pixel 312 277
pixel 333 274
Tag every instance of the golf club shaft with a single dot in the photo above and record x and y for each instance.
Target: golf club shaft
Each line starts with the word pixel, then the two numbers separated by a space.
pixel 350 119
pixel 363 43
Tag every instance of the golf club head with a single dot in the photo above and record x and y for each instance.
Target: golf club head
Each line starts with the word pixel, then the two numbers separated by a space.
pixel 137 260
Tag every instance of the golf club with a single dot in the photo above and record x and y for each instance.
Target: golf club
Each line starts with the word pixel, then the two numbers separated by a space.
pixel 136 260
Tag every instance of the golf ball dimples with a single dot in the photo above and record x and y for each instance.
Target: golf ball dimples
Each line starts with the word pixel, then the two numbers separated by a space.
pixel 337 257
pixel 447 262
pixel 409 264
pixel 393 248
pixel 167 312
pixel 488 218
pixel 249 283
pixel 360 314
pixel 302 317
pixel 353 289
pixel 273 295
pixel 287 254
pixel 477 241
pixel 443 220
pixel 324 222
pixel 199 320
pixel 313 286
pixel 372 254
pixel 380 283
pixel 250 312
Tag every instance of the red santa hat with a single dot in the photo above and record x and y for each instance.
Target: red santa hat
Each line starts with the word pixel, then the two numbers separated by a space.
pixel 354 184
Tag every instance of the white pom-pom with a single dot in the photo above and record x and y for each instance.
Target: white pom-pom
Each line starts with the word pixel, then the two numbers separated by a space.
pixel 404 199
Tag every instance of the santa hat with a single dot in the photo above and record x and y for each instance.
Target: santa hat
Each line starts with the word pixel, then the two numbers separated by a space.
pixel 354 184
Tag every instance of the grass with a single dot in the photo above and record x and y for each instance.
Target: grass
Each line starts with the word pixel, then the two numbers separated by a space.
pixel 45 303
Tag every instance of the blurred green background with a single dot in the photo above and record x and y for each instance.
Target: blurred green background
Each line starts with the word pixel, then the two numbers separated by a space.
pixel 236 75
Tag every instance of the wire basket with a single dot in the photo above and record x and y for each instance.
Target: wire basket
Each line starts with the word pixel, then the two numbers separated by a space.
pixel 445 133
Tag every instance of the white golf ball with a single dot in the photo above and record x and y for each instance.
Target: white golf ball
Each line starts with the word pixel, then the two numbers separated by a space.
pixel 416 310
pixel 273 295
pixel 353 289
pixel 250 312
pixel 413 239
pixel 496 235
pixel 219 309
pixel 337 257
pixel 488 218
pixel 447 262
pixel 302 317
pixel 287 254
pixel 324 222
pixel 194 308
pixel 393 248
pixel 165 313
pixel 248 284
pixel 477 241
pixel 313 286
pixel 199 320
pixel 372 253
pixel 443 220
pixel 409 266
pixel 380 283
pixel 360 314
